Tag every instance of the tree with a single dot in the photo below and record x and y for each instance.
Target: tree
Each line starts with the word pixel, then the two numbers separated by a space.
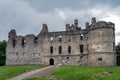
pixel 2 52
pixel 118 54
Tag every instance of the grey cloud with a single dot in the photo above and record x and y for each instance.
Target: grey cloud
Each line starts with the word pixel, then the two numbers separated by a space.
pixel 27 16
pixel 18 15
pixel 49 5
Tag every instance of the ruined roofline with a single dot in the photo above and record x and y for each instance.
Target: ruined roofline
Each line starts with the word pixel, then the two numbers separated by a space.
pixel 67 32
pixel 74 28
pixel 94 25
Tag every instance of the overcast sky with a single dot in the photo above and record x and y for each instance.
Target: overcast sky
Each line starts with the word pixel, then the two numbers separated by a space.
pixel 27 16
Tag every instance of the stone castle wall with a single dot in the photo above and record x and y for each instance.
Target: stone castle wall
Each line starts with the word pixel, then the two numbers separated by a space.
pixel 94 45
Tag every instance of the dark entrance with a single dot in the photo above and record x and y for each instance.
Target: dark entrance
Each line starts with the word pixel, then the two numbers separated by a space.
pixel 51 61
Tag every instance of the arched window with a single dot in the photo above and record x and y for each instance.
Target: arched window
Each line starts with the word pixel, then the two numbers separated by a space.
pixel 51 49
pixel 69 49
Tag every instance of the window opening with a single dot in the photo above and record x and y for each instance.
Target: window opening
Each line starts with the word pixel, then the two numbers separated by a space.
pixel 81 48
pixel 23 42
pixel 69 49
pixel 60 38
pixel 81 37
pixel 51 49
pixel 14 43
pixel 100 59
pixel 67 58
pixel 60 49
pixel 51 39
pixel 36 40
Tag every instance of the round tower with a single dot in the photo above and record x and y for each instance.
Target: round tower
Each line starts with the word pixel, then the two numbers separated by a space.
pixel 101 44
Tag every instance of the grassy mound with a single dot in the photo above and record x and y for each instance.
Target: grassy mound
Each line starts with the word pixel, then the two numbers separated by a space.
pixel 11 71
pixel 83 73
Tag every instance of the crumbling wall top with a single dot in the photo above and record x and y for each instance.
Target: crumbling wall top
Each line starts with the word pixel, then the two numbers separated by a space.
pixel 44 30
pixel 104 24
pixel 93 20
pixel 12 34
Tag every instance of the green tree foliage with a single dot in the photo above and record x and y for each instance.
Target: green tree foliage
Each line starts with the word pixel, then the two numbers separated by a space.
pixel 2 52
pixel 118 54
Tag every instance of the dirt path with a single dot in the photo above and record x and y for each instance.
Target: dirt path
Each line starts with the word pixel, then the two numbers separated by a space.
pixel 35 73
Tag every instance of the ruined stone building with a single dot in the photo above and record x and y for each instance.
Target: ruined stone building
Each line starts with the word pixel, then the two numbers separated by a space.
pixel 94 45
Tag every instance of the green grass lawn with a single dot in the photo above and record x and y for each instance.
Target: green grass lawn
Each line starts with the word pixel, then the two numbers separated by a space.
pixel 11 71
pixel 83 73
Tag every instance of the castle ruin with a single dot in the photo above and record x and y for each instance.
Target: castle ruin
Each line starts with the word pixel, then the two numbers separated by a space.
pixel 94 46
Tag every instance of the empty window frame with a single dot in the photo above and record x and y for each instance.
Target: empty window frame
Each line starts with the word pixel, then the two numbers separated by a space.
pixel 81 48
pixel 69 49
pixel 67 58
pixel 23 42
pixel 60 49
pixel 51 49
pixel 13 42
pixel 100 59
pixel 60 38
pixel 36 40
pixel 81 37
pixel 51 39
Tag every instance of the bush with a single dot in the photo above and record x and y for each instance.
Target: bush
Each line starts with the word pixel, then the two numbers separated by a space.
pixel 2 52
pixel 118 54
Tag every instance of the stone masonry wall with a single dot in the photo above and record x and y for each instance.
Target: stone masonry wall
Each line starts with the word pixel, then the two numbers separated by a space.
pixel 94 45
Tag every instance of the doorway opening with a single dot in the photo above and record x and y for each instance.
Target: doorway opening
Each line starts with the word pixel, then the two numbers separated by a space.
pixel 51 61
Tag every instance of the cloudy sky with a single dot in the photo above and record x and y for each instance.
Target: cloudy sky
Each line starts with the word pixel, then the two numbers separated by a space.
pixel 27 16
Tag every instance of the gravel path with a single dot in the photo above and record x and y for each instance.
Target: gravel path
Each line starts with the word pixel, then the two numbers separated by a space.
pixel 35 73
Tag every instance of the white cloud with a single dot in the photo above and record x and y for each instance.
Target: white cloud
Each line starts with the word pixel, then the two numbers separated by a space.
pixel 115 19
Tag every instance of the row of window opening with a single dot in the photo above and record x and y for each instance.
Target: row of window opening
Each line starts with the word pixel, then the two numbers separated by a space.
pixel 60 38
pixel 59 50
pixel 23 42
pixel 69 49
